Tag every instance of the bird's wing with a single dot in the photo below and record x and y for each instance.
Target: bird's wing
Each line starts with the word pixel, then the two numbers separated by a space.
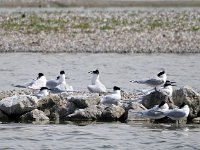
pixel 37 84
pixel 51 83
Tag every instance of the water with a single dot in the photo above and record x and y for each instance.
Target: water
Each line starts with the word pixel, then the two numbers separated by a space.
pixel 115 69
pixel 99 136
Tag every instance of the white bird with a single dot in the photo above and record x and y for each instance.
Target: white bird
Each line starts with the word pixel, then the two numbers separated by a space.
pixel 96 86
pixel 53 83
pixel 113 98
pixel 43 92
pixel 158 81
pixel 62 85
pixel 178 113
pixel 156 112
pixel 167 90
pixel 38 83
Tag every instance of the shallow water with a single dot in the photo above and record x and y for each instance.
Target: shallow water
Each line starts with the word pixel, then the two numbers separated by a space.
pixel 99 136
pixel 115 69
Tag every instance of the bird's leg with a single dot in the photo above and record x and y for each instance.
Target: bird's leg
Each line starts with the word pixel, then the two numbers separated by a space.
pixel 155 89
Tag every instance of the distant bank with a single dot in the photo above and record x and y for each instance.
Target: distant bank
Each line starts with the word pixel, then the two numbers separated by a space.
pixel 99 3
pixel 100 30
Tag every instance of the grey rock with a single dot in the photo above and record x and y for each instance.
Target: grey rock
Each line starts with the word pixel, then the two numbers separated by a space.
pixel 34 115
pixel 92 112
pixel 112 113
pixel 56 106
pixel 196 120
pixel 3 117
pixel 85 100
pixel 17 105
pixel 155 98
pixel 190 97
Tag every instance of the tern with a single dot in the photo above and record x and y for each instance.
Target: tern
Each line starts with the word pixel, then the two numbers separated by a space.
pixel 96 86
pixel 113 98
pixel 158 81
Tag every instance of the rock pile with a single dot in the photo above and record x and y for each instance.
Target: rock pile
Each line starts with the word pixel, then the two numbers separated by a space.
pixel 86 106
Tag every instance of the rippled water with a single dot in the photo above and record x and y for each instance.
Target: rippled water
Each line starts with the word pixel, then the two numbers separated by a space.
pixel 99 136
pixel 115 69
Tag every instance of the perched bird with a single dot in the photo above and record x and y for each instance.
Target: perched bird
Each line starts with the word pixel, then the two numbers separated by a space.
pixel 44 91
pixel 167 89
pixel 178 113
pixel 156 112
pixel 96 86
pixel 62 85
pixel 158 81
pixel 53 83
pixel 113 98
pixel 38 83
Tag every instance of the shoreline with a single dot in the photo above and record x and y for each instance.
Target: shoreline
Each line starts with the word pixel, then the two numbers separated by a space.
pixel 101 30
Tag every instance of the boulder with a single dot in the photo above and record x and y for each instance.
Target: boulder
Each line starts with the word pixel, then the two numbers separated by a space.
pixel 4 94
pixel 3 117
pixel 18 104
pixel 190 97
pixel 155 98
pixel 112 113
pixel 85 100
pixel 196 120
pixel 92 112
pixel 34 115
pixel 56 106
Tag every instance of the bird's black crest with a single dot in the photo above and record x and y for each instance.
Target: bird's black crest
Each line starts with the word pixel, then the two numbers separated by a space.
pixel 95 72
pixel 40 75
pixel 161 73
pixel 62 72
pixel 116 88
pixel 43 88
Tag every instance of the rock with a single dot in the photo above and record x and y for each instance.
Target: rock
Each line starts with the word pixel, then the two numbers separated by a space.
pixel 4 94
pixel 17 105
pixel 155 98
pixel 196 120
pixel 56 107
pixel 190 97
pixel 92 112
pixel 131 112
pixel 112 113
pixel 3 117
pixel 85 100
pixel 34 115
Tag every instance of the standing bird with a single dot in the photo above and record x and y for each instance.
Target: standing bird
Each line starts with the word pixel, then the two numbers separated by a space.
pixel 62 85
pixel 43 92
pixel 156 112
pixel 96 86
pixel 167 89
pixel 113 98
pixel 158 81
pixel 38 83
pixel 178 113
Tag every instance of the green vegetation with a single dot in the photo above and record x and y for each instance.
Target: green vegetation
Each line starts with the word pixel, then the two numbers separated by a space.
pixel 82 25
pixel 34 24
pixel 105 27
pixel 53 22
